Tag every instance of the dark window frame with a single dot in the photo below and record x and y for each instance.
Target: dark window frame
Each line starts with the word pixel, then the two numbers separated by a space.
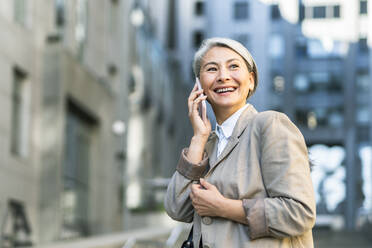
pixel 199 8
pixel 319 12
pixel 197 38
pixel 336 11
pixel 275 12
pixel 241 10
pixel 363 7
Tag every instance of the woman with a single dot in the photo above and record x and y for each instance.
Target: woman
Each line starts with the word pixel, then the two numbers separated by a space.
pixel 246 184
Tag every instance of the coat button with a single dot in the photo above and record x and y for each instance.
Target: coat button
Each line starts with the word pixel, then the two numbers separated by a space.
pixel 207 220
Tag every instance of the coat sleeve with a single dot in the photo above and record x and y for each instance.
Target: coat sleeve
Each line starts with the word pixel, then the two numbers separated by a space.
pixel 289 208
pixel 177 200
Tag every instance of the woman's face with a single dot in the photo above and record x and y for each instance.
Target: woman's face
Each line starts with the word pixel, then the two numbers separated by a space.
pixel 225 78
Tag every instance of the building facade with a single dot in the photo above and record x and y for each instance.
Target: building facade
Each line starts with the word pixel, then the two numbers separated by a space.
pixel 60 65
pixel 93 117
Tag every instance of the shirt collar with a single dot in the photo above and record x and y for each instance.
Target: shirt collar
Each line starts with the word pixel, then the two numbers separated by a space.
pixel 227 127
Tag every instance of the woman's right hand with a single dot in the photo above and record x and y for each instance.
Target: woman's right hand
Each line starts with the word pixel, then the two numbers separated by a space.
pixel 200 124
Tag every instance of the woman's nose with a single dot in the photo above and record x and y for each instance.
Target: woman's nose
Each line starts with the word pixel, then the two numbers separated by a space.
pixel 224 74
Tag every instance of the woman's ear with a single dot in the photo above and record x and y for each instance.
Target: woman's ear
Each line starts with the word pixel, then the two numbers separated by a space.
pixel 251 81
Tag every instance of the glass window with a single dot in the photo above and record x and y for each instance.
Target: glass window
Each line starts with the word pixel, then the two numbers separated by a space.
pixel 275 12
pixel 301 83
pixel 81 25
pixel 276 46
pixel 319 12
pixel 60 12
pixel 315 49
pixel 20 114
pixel 75 199
pixel 335 118
pixel 363 82
pixel 198 37
pixel 20 11
pixel 363 115
pixel 363 7
pixel 199 8
pixel 241 10
pixel 336 11
pixel 363 45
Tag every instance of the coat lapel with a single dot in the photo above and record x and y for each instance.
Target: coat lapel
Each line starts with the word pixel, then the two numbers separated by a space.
pixel 240 126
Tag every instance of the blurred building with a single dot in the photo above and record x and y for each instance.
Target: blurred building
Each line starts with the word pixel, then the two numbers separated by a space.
pixel 61 66
pixel 314 64
pixel 93 117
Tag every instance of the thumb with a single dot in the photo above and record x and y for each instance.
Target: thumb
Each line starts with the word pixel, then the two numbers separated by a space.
pixel 205 184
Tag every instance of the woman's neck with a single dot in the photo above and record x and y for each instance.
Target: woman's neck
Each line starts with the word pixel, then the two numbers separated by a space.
pixel 222 114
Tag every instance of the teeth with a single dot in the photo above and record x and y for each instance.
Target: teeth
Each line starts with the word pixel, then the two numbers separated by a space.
pixel 224 90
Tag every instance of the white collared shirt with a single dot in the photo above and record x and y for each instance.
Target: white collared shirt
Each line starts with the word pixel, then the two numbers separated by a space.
pixel 224 131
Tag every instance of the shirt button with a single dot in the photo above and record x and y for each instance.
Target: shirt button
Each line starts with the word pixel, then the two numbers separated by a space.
pixel 207 220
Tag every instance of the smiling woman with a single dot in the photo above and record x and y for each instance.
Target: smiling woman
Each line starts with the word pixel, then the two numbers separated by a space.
pixel 246 184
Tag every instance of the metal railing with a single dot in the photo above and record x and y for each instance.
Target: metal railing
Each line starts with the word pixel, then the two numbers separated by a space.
pixel 153 237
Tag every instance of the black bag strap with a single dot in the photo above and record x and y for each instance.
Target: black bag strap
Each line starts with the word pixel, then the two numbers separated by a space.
pixel 188 242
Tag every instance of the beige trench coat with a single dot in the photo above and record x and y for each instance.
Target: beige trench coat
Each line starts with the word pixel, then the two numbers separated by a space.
pixel 265 164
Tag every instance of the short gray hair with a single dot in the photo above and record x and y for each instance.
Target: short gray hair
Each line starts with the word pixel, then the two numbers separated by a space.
pixel 229 43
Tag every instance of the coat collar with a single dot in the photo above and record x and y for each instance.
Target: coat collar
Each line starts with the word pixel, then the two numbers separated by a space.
pixel 211 146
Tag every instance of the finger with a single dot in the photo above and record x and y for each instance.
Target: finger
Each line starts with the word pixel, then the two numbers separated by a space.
pixel 193 188
pixel 204 111
pixel 205 184
pixel 193 96
pixel 195 87
pixel 197 101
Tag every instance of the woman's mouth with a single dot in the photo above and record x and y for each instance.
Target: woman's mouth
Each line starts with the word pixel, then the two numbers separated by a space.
pixel 224 90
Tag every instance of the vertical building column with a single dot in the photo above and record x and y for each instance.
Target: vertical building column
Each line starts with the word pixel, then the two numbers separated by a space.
pixel 350 137
pixel 52 128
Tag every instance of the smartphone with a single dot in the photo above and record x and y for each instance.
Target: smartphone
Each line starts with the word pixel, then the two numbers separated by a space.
pixel 202 104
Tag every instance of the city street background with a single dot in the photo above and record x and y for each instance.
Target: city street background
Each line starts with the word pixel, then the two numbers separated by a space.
pixel 94 116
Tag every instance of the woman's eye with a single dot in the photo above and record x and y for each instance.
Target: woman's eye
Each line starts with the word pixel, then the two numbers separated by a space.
pixel 234 66
pixel 212 69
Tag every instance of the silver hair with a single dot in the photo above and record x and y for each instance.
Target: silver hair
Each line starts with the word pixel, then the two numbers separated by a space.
pixel 229 43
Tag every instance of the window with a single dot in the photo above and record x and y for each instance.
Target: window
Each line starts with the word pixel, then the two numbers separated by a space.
pixel 20 11
pixel 275 12
pixel 81 25
pixel 241 10
pixel 363 115
pixel 75 197
pixel 301 83
pixel 301 47
pixel 363 45
pixel 60 13
pixel 20 114
pixel 363 7
pixel 276 46
pixel 199 8
pixel 362 82
pixel 319 12
pixel 197 38
pixel 336 11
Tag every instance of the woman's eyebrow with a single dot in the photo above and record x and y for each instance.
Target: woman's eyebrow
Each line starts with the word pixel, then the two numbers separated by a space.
pixel 215 63
pixel 210 63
